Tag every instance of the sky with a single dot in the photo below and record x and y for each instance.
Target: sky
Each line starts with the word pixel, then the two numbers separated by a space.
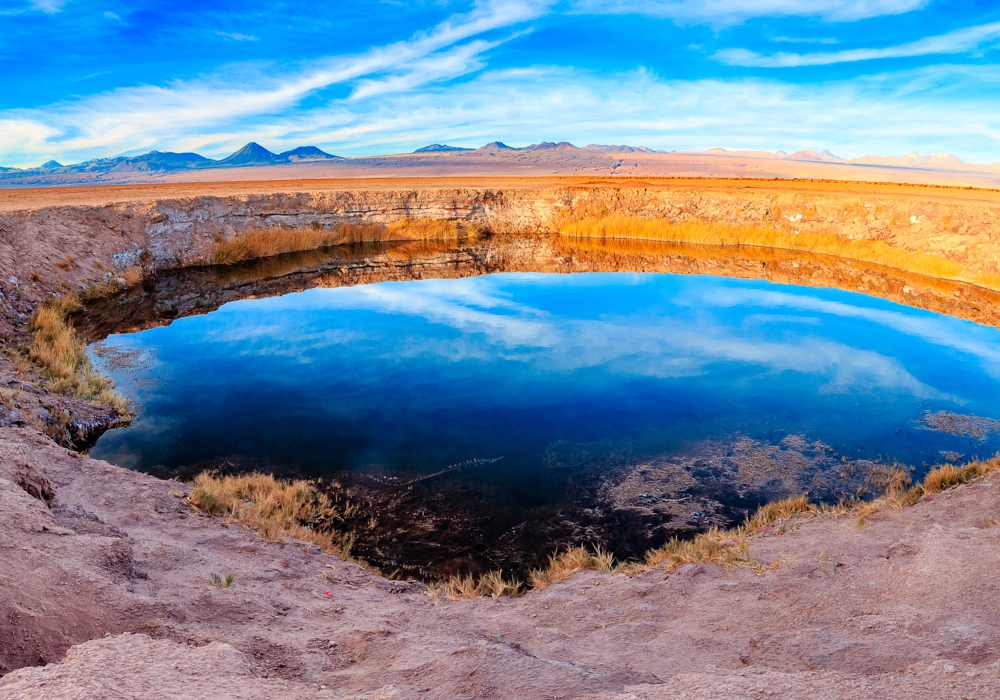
pixel 86 79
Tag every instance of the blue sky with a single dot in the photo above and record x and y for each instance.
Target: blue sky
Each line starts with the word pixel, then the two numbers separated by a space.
pixel 86 78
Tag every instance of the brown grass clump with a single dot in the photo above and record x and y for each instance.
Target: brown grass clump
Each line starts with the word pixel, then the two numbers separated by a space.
pixel 493 585
pixel 276 241
pixel 62 356
pixel 726 547
pixel 273 241
pixel 562 566
pixel 939 480
pixel 275 509
pixel 825 243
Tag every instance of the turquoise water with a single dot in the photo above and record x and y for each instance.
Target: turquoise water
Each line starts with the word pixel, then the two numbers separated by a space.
pixel 404 379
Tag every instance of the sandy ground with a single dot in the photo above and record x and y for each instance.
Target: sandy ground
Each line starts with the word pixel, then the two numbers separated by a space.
pixel 905 607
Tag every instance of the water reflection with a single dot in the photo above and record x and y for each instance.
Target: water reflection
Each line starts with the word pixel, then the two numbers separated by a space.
pixel 625 407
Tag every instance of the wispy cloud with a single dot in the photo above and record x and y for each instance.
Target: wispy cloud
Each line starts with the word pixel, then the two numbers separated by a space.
pixel 458 61
pixel 233 36
pixel 138 117
pixel 736 11
pixel 958 41
pixel 438 87
pixel 48 6
pixel 804 40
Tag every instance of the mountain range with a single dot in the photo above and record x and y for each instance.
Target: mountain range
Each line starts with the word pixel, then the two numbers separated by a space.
pixel 254 162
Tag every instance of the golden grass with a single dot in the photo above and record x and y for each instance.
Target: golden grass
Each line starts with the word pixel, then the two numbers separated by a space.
pixel 562 566
pixel 276 241
pixel 725 547
pixel 492 585
pixel 701 232
pixel 275 509
pixel 62 357
pixel 940 479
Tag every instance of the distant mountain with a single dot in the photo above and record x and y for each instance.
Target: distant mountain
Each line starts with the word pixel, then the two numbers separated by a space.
pixel 936 161
pixel 253 161
pixel 809 154
pixel 597 148
pixel 548 145
pixel 497 146
pixel 154 161
pixel 441 148
pixel 304 153
pixel 251 154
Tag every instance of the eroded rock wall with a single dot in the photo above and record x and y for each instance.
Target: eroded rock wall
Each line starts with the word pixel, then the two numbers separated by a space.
pixel 54 247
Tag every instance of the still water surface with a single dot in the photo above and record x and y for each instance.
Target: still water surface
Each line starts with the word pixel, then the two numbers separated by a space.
pixel 554 375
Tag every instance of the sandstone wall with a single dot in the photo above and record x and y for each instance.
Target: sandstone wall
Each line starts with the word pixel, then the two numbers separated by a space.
pixel 56 247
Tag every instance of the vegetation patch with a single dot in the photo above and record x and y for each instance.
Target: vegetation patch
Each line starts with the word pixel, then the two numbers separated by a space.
pixel 697 231
pixel 221 581
pixel 492 585
pixel 562 566
pixel 276 241
pixel 277 510
pixel 61 356
pixel 939 480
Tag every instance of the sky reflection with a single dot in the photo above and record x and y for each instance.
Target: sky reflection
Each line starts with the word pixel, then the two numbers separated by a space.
pixel 417 375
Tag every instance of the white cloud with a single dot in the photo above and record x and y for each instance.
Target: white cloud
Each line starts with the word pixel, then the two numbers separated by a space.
pixel 443 65
pixel 736 11
pixel 405 95
pixel 228 35
pixel 958 41
pixel 130 119
pixel 48 6
pixel 942 109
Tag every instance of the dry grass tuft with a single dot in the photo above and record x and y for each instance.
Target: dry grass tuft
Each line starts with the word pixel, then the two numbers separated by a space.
pixel 273 241
pixel 221 582
pixel 562 566
pixel 275 509
pixel 493 585
pixel 708 233
pixel 726 547
pixel 276 241
pixel 62 356
pixel 939 480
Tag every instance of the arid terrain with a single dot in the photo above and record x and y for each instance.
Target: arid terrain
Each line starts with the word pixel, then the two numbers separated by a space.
pixel 498 160
pixel 107 574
